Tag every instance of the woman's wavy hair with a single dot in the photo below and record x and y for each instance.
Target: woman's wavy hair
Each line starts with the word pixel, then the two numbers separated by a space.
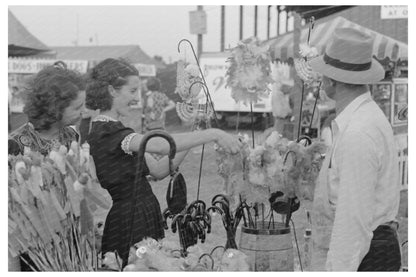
pixel 109 72
pixel 49 92
pixel 153 84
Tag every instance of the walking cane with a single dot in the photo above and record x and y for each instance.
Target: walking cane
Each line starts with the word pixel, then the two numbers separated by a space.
pixel 139 173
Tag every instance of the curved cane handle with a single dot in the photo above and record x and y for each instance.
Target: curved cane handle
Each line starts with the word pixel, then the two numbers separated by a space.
pixel 142 148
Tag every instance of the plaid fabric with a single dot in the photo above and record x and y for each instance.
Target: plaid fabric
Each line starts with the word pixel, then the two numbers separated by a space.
pixel 384 253
pixel 154 118
pixel 27 136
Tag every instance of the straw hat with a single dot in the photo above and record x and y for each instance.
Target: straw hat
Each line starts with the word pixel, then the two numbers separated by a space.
pixel 348 58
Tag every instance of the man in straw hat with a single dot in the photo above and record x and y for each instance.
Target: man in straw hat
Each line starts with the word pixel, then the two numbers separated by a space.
pixel 357 195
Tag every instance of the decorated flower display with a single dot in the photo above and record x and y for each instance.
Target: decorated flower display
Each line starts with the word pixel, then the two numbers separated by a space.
pixel 186 75
pixel 303 68
pixel 274 164
pixel 194 108
pixel 249 72
pixel 51 204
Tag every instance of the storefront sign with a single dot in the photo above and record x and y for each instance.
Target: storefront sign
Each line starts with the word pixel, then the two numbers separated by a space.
pixel 31 66
pixel 393 12
pixel 146 70
pixel 198 22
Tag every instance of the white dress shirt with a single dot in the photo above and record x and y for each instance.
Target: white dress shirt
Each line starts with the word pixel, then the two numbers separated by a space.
pixel 361 182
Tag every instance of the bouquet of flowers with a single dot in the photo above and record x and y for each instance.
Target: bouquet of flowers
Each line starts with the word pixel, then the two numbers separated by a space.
pixel 249 73
pixel 51 204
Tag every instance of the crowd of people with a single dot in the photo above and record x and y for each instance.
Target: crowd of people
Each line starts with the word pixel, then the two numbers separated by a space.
pixel 357 196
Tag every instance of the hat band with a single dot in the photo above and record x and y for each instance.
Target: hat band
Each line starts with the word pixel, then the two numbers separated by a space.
pixel 346 66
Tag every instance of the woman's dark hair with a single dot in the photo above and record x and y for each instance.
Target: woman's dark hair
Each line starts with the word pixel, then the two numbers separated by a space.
pixel 153 84
pixel 108 72
pixel 49 92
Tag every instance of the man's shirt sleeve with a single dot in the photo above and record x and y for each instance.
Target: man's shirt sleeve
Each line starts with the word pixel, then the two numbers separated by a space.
pixel 356 163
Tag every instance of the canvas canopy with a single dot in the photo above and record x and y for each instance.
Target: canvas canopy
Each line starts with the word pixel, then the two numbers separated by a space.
pixel 384 46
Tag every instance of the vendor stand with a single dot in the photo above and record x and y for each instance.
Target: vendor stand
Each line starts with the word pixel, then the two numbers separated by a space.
pixel 392 98
pixel 390 52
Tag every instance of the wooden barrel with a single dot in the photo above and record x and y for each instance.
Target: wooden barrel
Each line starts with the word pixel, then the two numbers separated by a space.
pixel 268 249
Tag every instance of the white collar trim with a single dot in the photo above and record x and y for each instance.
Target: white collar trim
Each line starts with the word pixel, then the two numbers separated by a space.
pixel 103 118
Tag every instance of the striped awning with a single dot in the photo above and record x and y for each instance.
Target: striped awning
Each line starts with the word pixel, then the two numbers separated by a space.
pixel 383 47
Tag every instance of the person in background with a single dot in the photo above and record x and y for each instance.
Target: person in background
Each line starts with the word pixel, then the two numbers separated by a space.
pixel 112 89
pixel 155 106
pixel 356 199
pixel 281 106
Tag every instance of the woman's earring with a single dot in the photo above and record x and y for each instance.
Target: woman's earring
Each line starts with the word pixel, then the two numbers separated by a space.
pixel 111 90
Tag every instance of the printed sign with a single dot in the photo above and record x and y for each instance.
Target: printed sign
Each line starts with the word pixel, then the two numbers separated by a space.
pixel 214 66
pixel 198 22
pixel 393 12
pixel 146 70
pixel 31 66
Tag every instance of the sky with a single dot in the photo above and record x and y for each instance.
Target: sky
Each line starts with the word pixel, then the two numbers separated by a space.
pixel 156 29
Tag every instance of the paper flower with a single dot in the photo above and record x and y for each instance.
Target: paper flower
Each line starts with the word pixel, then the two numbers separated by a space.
pixel 249 73
pixel 307 51
pixel 303 68
pixel 192 70
pixel 185 76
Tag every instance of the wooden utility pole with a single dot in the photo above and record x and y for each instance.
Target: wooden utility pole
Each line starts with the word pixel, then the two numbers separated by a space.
pixel 278 20
pixel 222 28
pixel 287 19
pixel 268 21
pixel 255 21
pixel 241 22
pixel 199 8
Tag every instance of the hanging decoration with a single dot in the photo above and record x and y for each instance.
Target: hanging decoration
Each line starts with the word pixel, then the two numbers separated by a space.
pixel 249 73
pixel 187 74
pixel 303 69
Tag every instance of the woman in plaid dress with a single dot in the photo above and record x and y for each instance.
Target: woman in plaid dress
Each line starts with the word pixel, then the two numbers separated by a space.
pixel 156 104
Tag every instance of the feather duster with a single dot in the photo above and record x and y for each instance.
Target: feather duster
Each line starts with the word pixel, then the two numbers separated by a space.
pixel 57 154
pixel 85 156
pixel 21 172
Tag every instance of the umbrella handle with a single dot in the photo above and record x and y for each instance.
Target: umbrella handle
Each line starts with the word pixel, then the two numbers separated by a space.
pixel 140 168
pixel 142 149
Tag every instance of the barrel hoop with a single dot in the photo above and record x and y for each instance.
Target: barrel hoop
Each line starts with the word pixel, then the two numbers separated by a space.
pixel 265 231
pixel 290 248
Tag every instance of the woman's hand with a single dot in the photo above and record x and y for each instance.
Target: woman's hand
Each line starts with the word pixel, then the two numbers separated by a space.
pixel 229 143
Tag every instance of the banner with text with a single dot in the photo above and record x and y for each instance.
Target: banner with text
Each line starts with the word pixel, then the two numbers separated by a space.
pixel 31 66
